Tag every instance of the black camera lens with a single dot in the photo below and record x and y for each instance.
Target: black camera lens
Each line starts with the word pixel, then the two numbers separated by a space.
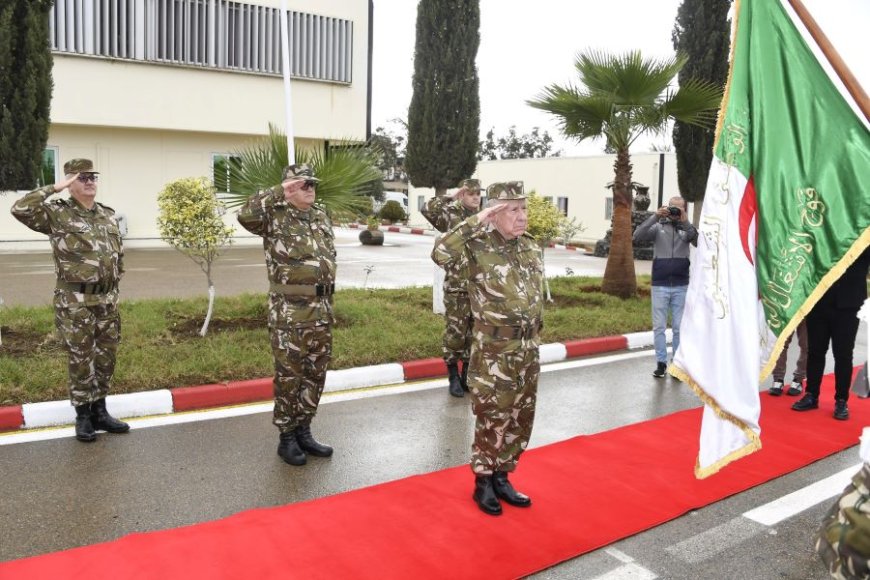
pixel 674 211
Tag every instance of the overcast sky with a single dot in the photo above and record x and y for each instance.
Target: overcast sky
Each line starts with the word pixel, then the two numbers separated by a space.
pixel 526 45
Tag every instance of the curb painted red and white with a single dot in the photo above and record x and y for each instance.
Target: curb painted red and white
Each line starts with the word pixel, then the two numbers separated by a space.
pixel 166 401
pixel 396 229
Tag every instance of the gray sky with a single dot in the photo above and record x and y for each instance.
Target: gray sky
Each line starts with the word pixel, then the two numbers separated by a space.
pixel 526 45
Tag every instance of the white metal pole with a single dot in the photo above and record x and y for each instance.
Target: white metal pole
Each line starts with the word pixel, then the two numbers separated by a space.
pixel 285 65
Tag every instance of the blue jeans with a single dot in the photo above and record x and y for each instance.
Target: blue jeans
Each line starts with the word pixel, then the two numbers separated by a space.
pixel 665 299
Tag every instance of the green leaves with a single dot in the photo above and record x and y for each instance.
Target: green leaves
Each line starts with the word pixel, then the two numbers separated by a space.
pixel 189 219
pixel 344 171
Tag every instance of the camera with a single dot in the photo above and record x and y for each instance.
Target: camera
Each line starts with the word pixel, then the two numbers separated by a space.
pixel 674 211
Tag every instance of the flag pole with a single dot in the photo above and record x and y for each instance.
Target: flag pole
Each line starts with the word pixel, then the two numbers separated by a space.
pixel 285 66
pixel 852 85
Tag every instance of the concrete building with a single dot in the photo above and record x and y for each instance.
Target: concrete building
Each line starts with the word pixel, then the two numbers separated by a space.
pixel 156 90
pixel 576 185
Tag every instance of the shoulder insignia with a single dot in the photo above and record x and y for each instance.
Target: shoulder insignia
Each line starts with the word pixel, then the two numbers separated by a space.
pixel 104 206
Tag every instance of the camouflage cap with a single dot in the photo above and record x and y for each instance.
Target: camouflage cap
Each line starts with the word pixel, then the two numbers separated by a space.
pixel 506 190
pixel 470 184
pixel 79 166
pixel 298 171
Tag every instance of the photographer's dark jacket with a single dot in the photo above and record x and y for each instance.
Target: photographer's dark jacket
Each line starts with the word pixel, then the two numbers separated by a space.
pixel 671 250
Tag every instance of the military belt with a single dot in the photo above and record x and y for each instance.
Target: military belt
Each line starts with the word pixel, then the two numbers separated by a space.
pixel 87 287
pixel 513 332
pixel 303 289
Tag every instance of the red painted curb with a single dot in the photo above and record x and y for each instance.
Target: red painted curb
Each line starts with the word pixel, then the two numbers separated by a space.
pixel 574 348
pixel 234 393
pixel 424 368
pixel 394 229
pixel 418 231
pixel 11 418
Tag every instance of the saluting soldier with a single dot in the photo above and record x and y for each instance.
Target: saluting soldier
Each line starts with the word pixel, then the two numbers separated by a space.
pixel 445 212
pixel 89 262
pixel 505 271
pixel 300 261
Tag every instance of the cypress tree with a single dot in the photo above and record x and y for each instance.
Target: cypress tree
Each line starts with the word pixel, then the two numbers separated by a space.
pixel 25 90
pixel 701 32
pixel 444 115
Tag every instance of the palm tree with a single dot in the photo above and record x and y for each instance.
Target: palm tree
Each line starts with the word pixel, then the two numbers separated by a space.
pixel 346 171
pixel 620 98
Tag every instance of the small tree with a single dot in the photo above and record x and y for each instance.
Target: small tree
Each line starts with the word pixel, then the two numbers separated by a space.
pixel 190 221
pixel 25 90
pixel 513 146
pixel 545 222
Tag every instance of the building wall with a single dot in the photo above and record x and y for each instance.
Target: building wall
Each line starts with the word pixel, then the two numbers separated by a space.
pixel 580 179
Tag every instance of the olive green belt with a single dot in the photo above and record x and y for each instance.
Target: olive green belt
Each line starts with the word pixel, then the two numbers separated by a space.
pixel 87 287
pixel 514 332
pixel 303 289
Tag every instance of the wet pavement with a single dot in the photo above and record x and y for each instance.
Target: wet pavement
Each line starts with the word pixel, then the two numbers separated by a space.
pixel 28 277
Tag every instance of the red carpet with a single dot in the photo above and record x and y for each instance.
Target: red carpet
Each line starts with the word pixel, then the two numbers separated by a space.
pixel 588 492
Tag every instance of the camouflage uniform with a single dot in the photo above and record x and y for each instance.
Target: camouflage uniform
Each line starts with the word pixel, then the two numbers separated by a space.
pixel 445 214
pixel 505 289
pixel 300 262
pixel 89 263
pixel 844 539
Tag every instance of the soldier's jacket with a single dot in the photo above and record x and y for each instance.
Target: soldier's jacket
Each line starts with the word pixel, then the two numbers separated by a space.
pixel 505 277
pixel 300 249
pixel 86 243
pixel 844 539
pixel 445 214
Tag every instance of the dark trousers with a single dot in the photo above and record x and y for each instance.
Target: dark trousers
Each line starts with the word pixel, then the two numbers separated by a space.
pixel 837 326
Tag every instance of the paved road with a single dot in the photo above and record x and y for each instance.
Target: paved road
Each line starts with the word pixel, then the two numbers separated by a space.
pixel 151 273
pixel 59 493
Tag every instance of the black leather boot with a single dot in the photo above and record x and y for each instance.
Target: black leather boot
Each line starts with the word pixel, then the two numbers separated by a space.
pixel 309 444
pixel 463 380
pixel 455 384
pixel 504 490
pixel 484 495
pixel 84 427
pixel 101 419
pixel 288 449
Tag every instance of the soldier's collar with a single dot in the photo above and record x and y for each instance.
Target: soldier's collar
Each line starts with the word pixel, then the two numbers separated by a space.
pixel 80 206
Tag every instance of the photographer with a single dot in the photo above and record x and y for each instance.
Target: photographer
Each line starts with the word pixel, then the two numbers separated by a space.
pixel 672 233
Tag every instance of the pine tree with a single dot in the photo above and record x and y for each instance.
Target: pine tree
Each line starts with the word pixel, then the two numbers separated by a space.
pixel 25 90
pixel 444 115
pixel 701 32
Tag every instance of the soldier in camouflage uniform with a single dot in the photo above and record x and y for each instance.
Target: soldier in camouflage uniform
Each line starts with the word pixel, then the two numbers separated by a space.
pixel 844 539
pixel 300 260
pixel 445 212
pixel 89 262
pixel 505 288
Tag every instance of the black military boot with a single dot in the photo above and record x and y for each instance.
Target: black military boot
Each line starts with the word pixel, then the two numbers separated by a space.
pixel 504 490
pixel 455 384
pixel 289 450
pixel 309 444
pixel 463 380
pixel 484 495
pixel 101 419
pixel 84 427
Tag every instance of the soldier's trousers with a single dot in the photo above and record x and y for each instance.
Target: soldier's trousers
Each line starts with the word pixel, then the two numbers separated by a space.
pixel 90 335
pixel 456 343
pixel 503 380
pixel 301 356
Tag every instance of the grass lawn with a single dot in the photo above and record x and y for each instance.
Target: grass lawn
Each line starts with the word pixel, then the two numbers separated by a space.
pixel 160 347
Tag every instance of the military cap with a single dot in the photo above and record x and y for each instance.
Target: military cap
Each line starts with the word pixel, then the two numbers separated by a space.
pixel 299 171
pixel 471 184
pixel 506 190
pixel 79 166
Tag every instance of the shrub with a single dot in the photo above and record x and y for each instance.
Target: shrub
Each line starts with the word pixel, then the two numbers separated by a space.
pixel 392 211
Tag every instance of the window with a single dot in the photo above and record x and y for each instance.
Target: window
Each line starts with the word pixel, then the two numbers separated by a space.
pixel 421 202
pixel 608 208
pixel 223 175
pixel 210 33
pixel 48 173
pixel 562 203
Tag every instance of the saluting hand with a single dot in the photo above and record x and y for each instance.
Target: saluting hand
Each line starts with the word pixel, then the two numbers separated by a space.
pixel 61 185
pixel 487 216
pixel 458 193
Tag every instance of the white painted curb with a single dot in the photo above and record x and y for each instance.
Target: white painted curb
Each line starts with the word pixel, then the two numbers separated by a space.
pixel 361 377
pixel 645 339
pixel 553 352
pixel 53 413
